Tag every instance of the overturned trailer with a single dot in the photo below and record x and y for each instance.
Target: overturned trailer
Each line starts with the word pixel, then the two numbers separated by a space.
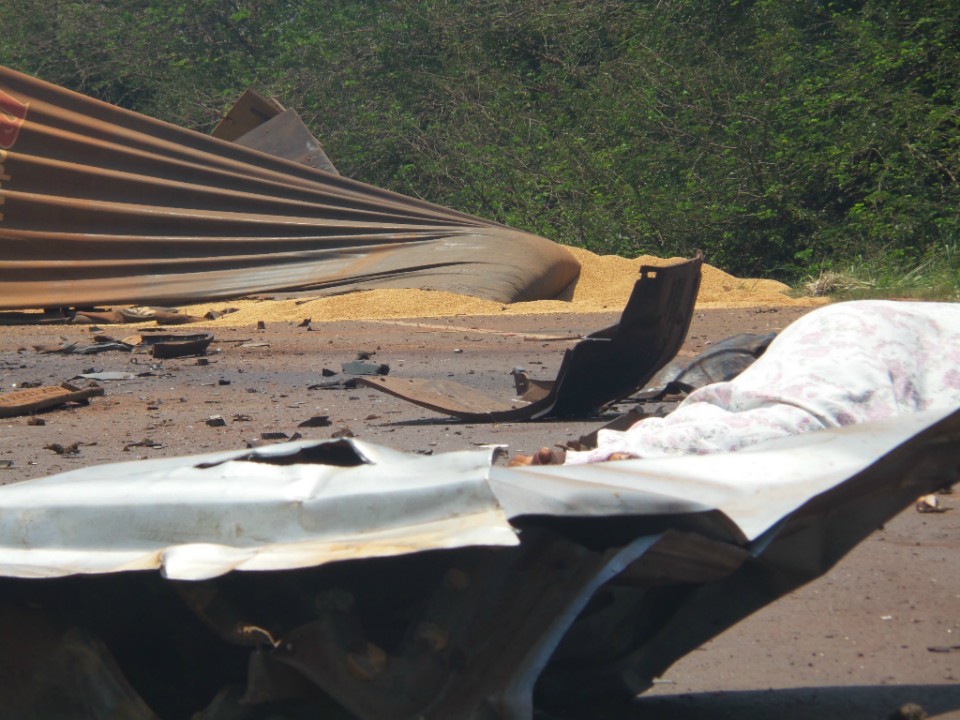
pixel 101 205
pixel 369 583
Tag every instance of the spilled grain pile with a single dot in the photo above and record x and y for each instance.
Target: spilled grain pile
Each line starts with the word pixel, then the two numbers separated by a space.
pixel 604 285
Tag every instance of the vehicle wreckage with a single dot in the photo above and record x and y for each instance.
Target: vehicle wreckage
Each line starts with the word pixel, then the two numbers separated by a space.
pixel 340 574
pixel 344 578
pixel 349 580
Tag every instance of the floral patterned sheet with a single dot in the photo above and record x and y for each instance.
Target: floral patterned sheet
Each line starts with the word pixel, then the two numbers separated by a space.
pixel 839 365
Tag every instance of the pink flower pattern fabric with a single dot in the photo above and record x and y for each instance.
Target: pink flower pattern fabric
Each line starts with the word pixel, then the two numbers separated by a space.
pixel 842 364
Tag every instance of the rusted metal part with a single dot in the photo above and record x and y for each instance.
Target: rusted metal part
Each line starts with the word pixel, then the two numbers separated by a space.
pixel 480 626
pixel 605 366
pixel 250 111
pixel 62 674
pixel 23 402
pixel 585 610
pixel 285 136
pixel 173 346
pixel 262 123
pixel 100 205
pixel 804 545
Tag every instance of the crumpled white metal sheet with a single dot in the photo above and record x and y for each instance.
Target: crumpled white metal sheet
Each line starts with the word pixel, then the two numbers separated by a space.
pixel 264 509
pixel 281 507
pixel 754 487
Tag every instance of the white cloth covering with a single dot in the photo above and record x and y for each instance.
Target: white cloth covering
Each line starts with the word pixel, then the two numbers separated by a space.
pixel 839 365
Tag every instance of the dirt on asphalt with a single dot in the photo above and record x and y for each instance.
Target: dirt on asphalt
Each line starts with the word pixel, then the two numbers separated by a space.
pixel 882 629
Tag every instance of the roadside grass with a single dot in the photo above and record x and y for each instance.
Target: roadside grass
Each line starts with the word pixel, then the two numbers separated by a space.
pixel 935 277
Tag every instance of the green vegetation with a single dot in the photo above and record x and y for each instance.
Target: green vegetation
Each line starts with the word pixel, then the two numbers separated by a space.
pixel 786 139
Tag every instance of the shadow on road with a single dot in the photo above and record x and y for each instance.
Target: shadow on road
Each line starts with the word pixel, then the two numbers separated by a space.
pixel 941 702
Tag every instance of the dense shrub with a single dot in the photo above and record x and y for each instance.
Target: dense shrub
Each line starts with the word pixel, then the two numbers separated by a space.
pixel 777 136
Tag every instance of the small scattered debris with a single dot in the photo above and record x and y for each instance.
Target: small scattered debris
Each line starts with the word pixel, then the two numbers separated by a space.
pixel 50 349
pixel 202 361
pixel 261 325
pixel 343 432
pixel 274 436
pixel 930 504
pixel 359 367
pixel 337 383
pixel 36 421
pixel 217 314
pixel 908 711
pixel 216 421
pixel 175 346
pixel 146 442
pixel 943 648
pixel 239 417
pixel 223 381
pixel 110 376
pixel 305 323
pixel 161 315
pixel 72 449
pixel 255 344
pixel 316 421
pixel 327 372
pixel 6 464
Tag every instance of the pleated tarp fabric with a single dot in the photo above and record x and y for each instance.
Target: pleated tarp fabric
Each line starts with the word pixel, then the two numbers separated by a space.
pixel 101 205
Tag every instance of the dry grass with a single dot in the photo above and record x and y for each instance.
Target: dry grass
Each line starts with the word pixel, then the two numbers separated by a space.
pixel 831 282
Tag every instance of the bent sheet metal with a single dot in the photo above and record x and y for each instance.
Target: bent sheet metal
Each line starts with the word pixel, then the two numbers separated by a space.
pixel 621 567
pixel 605 366
pixel 100 205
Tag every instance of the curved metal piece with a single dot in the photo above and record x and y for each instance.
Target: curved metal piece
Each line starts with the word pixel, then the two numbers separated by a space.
pixel 603 367
pixel 100 205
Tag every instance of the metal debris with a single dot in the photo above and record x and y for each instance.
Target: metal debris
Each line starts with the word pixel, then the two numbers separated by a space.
pixel 361 367
pixel 930 504
pixel 165 347
pixel 602 578
pixel 720 362
pixel 603 367
pixel 78 170
pixel 24 402
pixel 145 443
pixel 315 422
pixel 111 375
pixel 71 449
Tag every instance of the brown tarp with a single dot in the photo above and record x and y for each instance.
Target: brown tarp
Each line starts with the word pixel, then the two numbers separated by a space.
pixel 100 205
